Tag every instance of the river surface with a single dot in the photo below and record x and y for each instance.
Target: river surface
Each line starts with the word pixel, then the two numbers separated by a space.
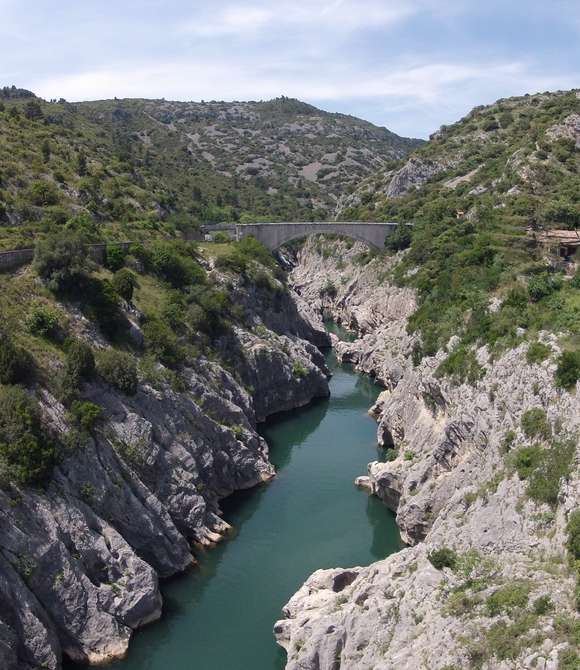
pixel 220 616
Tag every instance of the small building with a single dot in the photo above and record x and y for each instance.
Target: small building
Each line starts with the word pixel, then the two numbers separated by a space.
pixel 561 243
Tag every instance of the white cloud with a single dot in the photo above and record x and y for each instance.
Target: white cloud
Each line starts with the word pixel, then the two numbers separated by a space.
pixel 341 15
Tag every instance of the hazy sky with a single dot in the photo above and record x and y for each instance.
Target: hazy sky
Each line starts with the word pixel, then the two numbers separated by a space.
pixel 410 65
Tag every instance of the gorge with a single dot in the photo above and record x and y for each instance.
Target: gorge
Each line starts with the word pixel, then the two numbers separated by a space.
pixel 175 454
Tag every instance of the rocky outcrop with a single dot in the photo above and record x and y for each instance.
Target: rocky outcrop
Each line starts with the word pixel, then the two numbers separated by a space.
pixel 81 559
pixel 450 483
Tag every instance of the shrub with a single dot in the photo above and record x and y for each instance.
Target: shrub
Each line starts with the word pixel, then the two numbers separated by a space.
pixel 328 289
pixel 61 262
pixel 526 460
pixel 119 370
pixel 399 239
pixel 443 558
pixel 86 414
pixel 80 361
pixel 543 605
pixel 537 352
pixel 115 257
pixel 15 362
pixel 174 268
pixel 124 283
pixel 543 285
pixel 26 454
pixel 568 370
pixel 102 305
pixel 162 341
pixel 298 370
pixel 43 194
pixel 42 320
pixel 544 468
pixel 462 366
pixel 535 424
pixel 573 529
pixel 508 598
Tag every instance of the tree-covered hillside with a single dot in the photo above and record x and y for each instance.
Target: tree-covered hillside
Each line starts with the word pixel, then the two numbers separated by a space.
pixel 125 168
pixel 481 194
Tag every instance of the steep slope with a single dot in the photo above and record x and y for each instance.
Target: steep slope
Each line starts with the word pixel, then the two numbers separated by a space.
pixel 120 167
pixel 484 475
pixel 473 327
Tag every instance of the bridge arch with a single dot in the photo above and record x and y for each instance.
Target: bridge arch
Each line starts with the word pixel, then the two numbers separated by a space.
pixel 274 235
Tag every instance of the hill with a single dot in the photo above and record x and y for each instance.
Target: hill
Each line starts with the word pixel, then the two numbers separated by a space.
pixel 120 167
pixel 483 194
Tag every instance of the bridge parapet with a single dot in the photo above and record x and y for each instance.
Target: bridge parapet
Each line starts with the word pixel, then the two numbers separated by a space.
pixel 274 235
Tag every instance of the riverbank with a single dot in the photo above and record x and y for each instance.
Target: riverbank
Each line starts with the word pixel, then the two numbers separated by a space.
pixel 309 516
pixel 451 476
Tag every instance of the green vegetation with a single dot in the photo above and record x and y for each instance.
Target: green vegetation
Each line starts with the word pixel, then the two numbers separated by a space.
pixel 537 353
pixel 124 283
pixel 15 363
pixel 470 241
pixel 535 424
pixel 86 414
pixel 568 370
pixel 544 467
pixel 118 369
pixel 80 362
pixel 26 452
pixel 508 598
pixel 461 366
pixel 443 558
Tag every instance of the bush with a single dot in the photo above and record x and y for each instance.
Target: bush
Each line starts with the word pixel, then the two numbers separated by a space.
pixel 298 370
pixel 178 270
pixel 543 605
pixel 543 285
pixel 119 370
pixel 115 257
pixel 508 598
pixel 462 366
pixel 124 283
pixel 568 370
pixel 399 239
pixel 443 558
pixel 537 352
pixel 43 194
pixel 102 306
pixel 15 363
pixel 42 320
pixel 573 529
pixel 544 468
pixel 61 262
pixel 535 424
pixel 86 414
pixel 162 341
pixel 80 361
pixel 26 455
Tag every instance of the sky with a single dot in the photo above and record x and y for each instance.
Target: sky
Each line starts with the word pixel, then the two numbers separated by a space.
pixel 409 65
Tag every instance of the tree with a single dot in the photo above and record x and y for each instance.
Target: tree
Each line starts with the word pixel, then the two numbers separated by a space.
pixel 61 261
pixel 45 149
pixel 81 164
pixel 124 283
pixel 33 110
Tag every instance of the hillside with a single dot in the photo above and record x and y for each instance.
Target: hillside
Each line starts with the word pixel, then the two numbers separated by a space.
pixel 481 194
pixel 115 168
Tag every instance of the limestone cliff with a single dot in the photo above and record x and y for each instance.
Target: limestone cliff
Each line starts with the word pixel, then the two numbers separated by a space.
pixel 81 558
pixel 505 599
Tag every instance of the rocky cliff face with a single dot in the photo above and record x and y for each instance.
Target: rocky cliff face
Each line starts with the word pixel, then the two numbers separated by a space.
pixel 451 484
pixel 80 560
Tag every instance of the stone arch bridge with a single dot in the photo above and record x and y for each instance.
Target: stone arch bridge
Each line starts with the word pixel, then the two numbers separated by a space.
pixel 274 235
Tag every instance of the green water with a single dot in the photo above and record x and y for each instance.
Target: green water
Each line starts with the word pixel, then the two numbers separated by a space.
pixel 220 616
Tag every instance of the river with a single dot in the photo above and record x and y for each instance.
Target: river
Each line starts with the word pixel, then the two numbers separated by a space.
pixel 311 516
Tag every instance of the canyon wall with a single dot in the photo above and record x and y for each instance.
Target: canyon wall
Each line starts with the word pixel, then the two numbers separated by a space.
pixel 503 596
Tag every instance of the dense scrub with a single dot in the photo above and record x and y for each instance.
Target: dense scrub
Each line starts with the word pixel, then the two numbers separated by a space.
pixel 470 245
